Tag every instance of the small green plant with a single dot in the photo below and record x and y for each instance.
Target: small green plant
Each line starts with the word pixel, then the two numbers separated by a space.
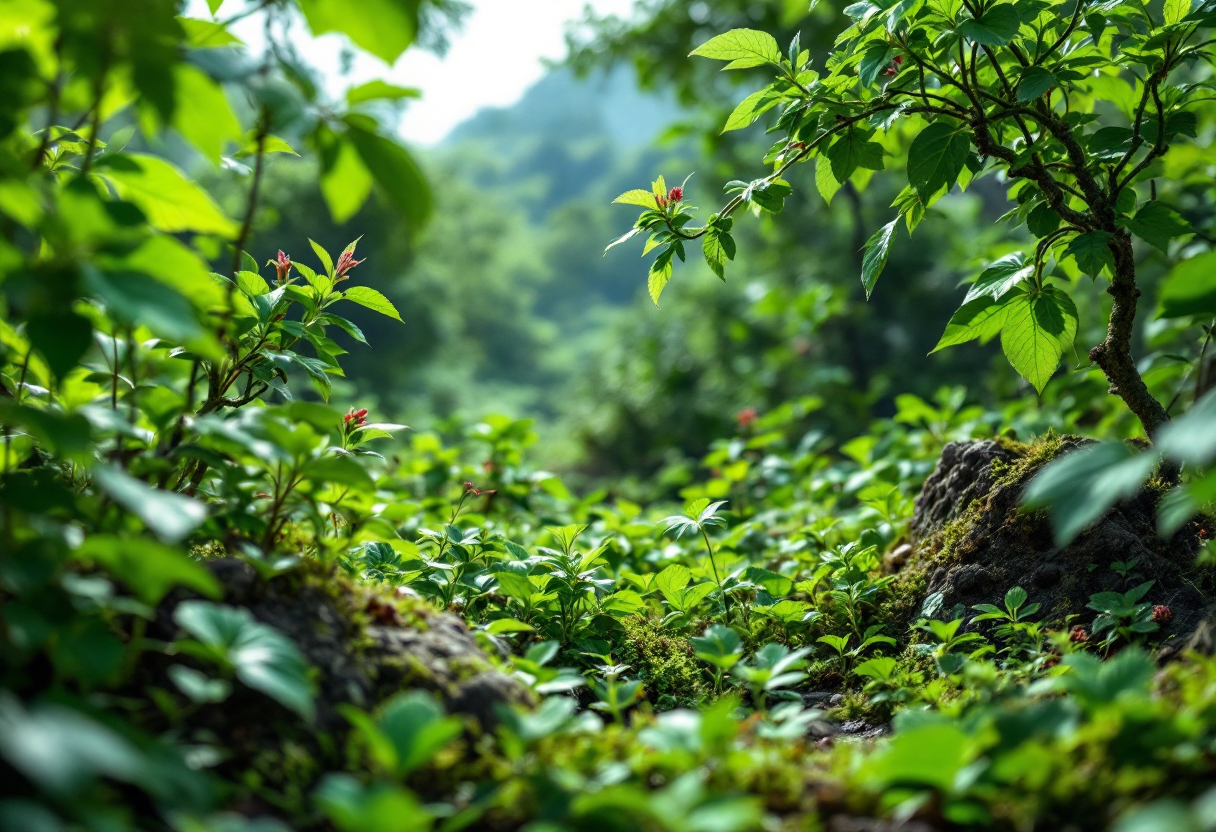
pixel 615 695
pixel 702 515
pixel 949 640
pixel 1122 615
pixel 840 644
pixel 773 668
pixel 720 647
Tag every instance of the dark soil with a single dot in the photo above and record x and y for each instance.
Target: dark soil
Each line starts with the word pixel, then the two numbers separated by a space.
pixel 973 542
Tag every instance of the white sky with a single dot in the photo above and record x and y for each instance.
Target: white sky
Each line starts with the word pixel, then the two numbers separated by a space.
pixel 493 59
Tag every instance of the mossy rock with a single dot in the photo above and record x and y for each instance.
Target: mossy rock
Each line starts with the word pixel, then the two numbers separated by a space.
pixel 973 542
pixel 363 644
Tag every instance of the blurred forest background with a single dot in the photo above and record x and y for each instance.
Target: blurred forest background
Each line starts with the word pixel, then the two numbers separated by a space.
pixel 512 307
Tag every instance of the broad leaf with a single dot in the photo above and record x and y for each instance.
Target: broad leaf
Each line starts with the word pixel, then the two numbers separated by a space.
pixel 369 297
pixel 170 201
pixel 875 258
pixel 936 157
pixel 382 27
pixel 169 515
pixel 1030 336
pixel 1156 223
pixel 1080 486
pixel 1190 288
pixel 742 47
pixel 995 27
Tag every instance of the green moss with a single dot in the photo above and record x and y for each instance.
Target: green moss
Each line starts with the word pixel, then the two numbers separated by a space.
pixel 665 663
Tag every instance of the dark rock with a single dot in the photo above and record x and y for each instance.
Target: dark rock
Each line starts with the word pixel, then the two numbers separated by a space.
pixel 974 542
pixel 963 474
pixel 849 824
pixel 365 646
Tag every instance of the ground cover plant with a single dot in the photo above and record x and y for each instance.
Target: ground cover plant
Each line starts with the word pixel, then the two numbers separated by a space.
pixel 234 599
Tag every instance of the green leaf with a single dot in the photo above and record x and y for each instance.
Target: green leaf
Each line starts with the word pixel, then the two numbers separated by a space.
pixel 340 470
pixel 207 121
pixel 640 197
pixel 1042 220
pixel 135 298
pixel 1156 223
pixel 1191 438
pixel 875 258
pixel 395 171
pixel 929 755
pixel 1000 276
pixel 1030 337
pixel 825 182
pixel 417 727
pixel 169 200
pixel 61 338
pixel 876 57
pixel 936 157
pixel 207 34
pixel 516 586
pixel 369 297
pixel 751 108
pixel 742 47
pixel 385 28
pixel 672 580
pixel 147 568
pixel 261 656
pixel 379 91
pixel 1035 81
pixel 980 318
pixel 169 515
pixel 774 584
pixel 660 274
pixel 1174 11
pixel 345 180
pixel 1190 288
pixel 995 27
pixel 1091 251
pixel 322 255
pixel 1083 484
pixel 853 150
pixel 718 246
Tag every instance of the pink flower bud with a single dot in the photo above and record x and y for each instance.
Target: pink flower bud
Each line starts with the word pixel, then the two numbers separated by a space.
pixel 282 266
pixel 1162 614
pixel 676 194
pixel 346 262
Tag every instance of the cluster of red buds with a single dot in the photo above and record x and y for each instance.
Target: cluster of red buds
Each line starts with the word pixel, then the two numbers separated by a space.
pixel 893 69
pixel 469 488
pixel 355 418
pixel 346 262
pixel 675 195
pixel 746 417
pixel 1078 635
pixel 282 266
pixel 1162 614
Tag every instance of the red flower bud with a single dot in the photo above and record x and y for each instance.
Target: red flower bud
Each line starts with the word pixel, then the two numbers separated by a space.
pixel 346 262
pixel 359 414
pixel 746 416
pixel 282 266
pixel 1162 614
pixel 676 194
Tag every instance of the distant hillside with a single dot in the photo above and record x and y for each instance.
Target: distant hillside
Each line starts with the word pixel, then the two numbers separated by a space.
pixel 565 139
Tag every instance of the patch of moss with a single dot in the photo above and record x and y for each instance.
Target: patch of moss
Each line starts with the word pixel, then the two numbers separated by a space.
pixel 669 671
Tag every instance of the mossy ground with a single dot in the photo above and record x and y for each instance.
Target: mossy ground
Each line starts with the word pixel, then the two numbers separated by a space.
pixel 670 673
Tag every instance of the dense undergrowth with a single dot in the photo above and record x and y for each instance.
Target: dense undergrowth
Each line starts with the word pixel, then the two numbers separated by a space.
pixel 230 604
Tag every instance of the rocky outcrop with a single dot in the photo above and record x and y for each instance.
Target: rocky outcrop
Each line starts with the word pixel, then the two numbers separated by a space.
pixel 973 541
